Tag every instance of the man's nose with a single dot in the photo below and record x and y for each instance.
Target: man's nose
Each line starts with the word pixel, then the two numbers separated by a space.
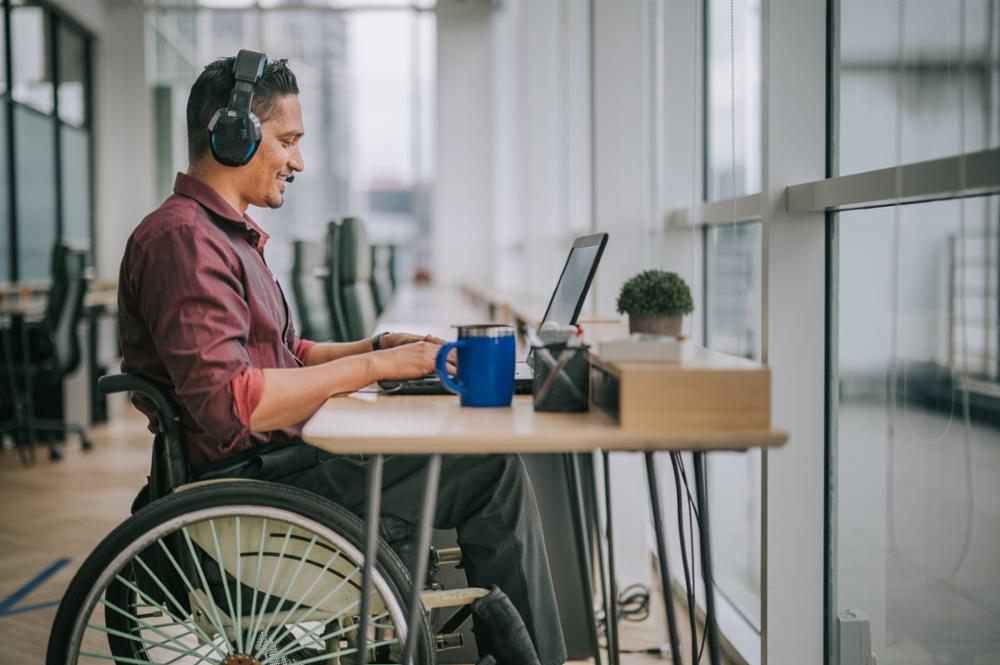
pixel 295 162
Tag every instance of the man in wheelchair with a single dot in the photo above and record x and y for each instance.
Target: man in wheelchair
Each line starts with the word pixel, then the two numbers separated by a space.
pixel 201 313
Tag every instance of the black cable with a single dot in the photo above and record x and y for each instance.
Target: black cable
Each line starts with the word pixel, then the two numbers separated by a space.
pixel 675 461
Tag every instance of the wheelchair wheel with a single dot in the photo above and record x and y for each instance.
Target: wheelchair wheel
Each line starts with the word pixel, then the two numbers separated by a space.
pixel 234 573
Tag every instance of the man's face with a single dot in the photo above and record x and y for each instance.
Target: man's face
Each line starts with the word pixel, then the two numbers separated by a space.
pixel 277 157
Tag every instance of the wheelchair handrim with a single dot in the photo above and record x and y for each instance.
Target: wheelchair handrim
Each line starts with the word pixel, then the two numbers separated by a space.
pixel 179 522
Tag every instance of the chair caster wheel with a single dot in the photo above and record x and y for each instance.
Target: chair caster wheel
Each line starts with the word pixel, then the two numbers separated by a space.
pixel 86 444
pixel 55 454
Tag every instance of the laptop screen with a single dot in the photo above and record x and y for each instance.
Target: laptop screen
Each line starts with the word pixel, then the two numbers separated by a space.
pixel 574 282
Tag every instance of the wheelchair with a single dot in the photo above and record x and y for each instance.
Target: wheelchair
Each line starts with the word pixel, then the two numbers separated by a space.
pixel 238 572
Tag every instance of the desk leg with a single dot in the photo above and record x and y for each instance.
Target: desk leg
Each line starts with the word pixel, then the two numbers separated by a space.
pixel 706 558
pixel 611 618
pixel 582 549
pixel 371 552
pixel 424 529
pixel 19 427
pixel 596 511
pixel 661 555
pixel 29 398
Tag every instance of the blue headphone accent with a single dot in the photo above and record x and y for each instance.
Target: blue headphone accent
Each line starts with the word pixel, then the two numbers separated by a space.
pixel 234 131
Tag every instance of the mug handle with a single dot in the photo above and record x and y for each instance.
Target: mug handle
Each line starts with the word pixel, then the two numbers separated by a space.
pixel 442 371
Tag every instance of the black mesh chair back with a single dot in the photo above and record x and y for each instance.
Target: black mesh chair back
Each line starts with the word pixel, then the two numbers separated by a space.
pixel 355 279
pixel 331 283
pixel 65 306
pixel 308 272
pixel 383 280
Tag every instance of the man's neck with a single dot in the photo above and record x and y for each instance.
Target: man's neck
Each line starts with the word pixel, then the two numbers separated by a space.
pixel 222 185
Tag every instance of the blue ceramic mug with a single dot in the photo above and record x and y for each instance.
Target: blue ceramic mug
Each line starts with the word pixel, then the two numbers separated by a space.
pixel 485 365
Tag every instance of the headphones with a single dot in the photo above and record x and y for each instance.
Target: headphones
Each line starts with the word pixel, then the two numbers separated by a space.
pixel 234 131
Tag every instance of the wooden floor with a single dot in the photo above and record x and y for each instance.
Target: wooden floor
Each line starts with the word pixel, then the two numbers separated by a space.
pixel 54 514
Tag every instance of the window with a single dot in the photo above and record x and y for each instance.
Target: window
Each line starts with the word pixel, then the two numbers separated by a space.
pixel 72 77
pixel 49 160
pixel 733 70
pixel 32 57
pixel 919 465
pixel 930 81
pixel 76 184
pixel 6 267
pixel 913 433
pixel 733 254
pixel 3 52
pixel 35 179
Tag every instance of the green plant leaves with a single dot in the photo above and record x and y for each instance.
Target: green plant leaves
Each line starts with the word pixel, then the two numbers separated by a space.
pixel 655 292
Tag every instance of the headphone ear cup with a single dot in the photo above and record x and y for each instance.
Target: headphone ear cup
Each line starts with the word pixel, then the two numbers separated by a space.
pixel 233 139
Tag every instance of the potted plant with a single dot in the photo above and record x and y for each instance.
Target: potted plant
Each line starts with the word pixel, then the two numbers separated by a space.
pixel 656 302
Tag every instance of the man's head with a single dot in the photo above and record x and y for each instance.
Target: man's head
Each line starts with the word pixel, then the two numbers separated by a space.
pixel 276 104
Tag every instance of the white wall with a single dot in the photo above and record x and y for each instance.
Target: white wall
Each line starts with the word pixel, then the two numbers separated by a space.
pixel 123 133
pixel 463 192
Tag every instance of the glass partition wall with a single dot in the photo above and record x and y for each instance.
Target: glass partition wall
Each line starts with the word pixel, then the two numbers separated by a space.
pixel 915 444
pixel 45 138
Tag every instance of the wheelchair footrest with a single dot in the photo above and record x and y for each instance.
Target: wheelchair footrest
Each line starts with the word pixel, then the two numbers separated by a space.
pixel 451 597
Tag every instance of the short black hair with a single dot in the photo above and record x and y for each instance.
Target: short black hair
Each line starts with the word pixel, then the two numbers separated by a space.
pixel 212 90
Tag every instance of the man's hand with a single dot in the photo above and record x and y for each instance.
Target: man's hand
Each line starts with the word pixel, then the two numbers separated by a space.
pixel 409 360
pixel 394 339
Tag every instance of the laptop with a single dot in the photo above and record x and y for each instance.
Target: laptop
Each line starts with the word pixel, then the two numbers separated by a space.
pixel 564 309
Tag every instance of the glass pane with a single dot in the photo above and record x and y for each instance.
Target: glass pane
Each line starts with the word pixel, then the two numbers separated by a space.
pixel 75 173
pixel 5 249
pixel 3 53
pixel 916 527
pixel 35 174
pixel 32 57
pixel 930 84
pixel 734 98
pixel 733 307
pixel 72 76
pixel 734 289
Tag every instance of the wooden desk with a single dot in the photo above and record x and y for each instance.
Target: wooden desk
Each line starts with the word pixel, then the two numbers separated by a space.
pixel 377 424
pixel 22 308
pixel 370 423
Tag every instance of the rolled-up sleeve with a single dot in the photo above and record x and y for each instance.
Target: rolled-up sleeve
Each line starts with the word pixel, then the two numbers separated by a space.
pixel 194 304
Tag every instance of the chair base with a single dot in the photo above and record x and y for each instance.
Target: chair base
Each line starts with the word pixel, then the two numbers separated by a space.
pixel 26 433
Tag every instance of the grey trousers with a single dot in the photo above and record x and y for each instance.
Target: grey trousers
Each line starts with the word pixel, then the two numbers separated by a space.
pixel 488 500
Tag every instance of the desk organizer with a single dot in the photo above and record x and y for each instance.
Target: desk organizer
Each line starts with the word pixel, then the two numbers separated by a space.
pixel 711 392
pixel 569 393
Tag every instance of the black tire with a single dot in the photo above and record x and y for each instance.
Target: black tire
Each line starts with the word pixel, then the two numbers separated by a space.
pixel 82 595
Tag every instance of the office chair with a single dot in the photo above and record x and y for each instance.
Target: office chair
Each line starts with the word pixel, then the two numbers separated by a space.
pixel 332 283
pixel 383 281
pixel 355 266
pixel 53 351
pixel 308 274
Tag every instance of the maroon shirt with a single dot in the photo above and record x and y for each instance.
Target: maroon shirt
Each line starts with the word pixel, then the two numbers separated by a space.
pixel 198 307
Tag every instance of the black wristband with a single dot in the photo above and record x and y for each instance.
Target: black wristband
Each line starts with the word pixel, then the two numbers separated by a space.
pixel 377 341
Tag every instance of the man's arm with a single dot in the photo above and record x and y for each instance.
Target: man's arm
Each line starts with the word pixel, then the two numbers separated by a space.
pixel 291 395
pixel 328 351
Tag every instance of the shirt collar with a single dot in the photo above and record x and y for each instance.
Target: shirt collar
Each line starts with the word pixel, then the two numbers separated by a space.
pixel 195 189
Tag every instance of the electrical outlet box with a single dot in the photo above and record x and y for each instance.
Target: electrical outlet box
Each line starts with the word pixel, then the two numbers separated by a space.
pixel 855 638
